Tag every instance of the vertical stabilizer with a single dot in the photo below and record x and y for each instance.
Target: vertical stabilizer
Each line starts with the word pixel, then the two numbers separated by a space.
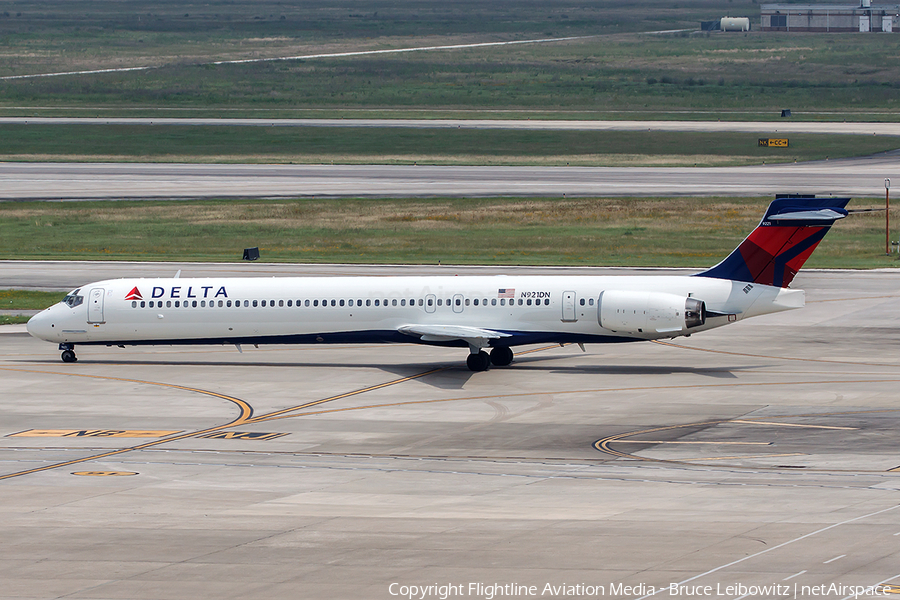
pixel 784 239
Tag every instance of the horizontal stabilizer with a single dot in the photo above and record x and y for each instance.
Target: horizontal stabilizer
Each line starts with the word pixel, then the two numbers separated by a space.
pixel 448 333
pixel 829 215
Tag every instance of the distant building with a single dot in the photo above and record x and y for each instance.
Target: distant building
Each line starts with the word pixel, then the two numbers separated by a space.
pixel 864 17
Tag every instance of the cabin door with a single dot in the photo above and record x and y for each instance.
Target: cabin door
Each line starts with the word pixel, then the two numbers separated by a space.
pixel 95 305
pixel 568 307
pixel 458 303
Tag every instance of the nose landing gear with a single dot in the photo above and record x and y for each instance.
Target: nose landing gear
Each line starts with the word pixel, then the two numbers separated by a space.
pixel 68 353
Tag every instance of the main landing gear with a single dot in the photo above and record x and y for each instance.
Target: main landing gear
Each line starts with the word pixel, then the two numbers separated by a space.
pixel 481 361
pixel 68 353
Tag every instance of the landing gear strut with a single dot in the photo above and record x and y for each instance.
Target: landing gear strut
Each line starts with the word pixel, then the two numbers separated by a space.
pixel 68 353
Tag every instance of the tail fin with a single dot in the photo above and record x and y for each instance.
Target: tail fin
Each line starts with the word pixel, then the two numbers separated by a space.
pixel 787 235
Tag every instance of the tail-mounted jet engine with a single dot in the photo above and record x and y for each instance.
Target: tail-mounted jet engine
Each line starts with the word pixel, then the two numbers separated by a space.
pixel 649 312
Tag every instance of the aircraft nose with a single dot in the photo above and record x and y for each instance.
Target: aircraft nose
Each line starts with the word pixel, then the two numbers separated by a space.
pixel 42 325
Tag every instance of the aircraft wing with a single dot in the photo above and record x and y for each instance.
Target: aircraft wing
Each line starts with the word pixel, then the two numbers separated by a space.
pixel 447 333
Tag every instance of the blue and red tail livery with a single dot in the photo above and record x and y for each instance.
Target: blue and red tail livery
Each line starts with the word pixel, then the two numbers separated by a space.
pixel 787 235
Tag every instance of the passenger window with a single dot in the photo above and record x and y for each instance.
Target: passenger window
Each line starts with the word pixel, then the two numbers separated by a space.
pixel 394 302
pixel 255 303
pixel 143 304
pixel 246 303
pixel 193 304
pixel 581 302
pixel 430 302
pixel 502 301
pixel 493 302
pixel 591 301
pixel 281 303
pixel 151 304
pixel 134 304
pixel 306 303
pixel 467 302
pixel 368 302
pixel 403 302
pixel 440 302
pixel 520 302
pixel 547 302
pixel 334 303
pixel 421 302
pixel 528 302
pixel 476 301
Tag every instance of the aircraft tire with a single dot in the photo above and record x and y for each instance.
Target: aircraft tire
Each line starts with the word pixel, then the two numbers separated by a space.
pixel 69 357
pixel 478 362
pixel 501 356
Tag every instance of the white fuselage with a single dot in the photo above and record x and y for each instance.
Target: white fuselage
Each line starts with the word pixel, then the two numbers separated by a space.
pixel 523 309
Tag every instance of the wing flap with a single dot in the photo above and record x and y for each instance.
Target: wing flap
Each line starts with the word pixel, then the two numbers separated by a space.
pixel 448 333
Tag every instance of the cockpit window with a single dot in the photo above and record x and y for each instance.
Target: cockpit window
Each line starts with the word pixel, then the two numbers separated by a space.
pixel 73 299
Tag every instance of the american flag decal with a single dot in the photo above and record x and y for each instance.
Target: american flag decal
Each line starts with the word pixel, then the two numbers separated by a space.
pixel 506 293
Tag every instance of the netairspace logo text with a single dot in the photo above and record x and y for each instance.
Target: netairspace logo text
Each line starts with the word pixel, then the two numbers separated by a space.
pixel 491 591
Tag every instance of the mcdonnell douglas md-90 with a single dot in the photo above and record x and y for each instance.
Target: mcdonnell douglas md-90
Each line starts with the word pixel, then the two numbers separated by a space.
pixel 482 313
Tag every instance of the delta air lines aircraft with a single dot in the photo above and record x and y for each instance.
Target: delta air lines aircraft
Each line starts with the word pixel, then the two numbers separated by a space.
pixel 489 315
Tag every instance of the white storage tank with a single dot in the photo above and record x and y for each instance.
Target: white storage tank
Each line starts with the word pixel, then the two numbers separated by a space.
pixel 735 24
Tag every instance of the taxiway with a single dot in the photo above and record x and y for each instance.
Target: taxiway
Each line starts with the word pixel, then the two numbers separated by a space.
pixel 764 453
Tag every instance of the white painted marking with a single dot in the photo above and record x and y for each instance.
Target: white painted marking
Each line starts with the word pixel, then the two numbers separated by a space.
pixel 790 424
pixel 834 559
pixel 794 575
pixel 885 580
pixel 310 56
pixel 781 545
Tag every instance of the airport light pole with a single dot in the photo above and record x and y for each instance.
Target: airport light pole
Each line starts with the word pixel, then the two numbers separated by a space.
pixel 887 217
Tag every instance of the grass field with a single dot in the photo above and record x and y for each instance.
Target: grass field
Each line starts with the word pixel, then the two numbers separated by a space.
pixel 25 300
pixel 619 72
pixel 433 146
pixel 695 232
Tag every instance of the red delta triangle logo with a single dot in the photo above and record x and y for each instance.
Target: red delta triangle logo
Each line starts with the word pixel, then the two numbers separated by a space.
pixel 134 294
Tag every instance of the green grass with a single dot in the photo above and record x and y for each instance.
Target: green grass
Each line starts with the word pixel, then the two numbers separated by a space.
pixel 691 232
pixel 28 299
pixel 620 73
pixel 393 145
pixel 7 320
pixel 25 300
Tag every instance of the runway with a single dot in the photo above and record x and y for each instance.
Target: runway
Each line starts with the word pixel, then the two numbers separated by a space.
pixel 762 127
pixel 760 454
pixel 862 177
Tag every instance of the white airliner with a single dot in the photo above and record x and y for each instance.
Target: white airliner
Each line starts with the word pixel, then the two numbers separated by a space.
pixel 494 313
